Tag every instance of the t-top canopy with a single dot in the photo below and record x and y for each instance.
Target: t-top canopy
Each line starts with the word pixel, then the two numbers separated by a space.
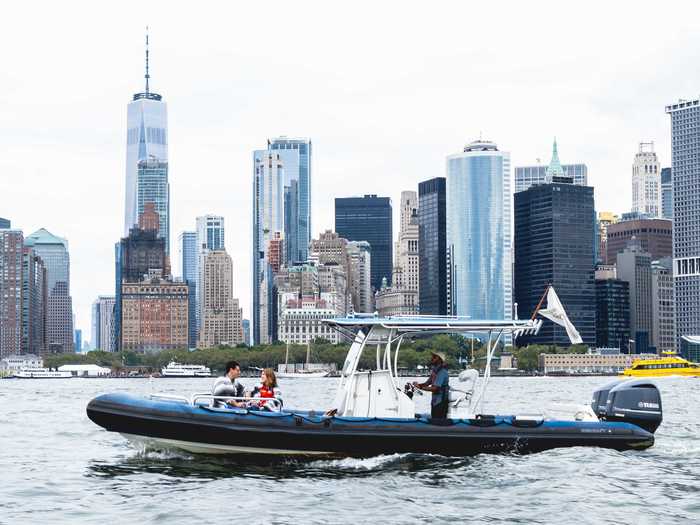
pixel 436 323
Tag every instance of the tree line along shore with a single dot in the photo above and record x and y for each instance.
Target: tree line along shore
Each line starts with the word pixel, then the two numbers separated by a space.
pixel 459 350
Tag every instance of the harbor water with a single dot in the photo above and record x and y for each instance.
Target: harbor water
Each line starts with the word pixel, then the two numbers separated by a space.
pixel 59 467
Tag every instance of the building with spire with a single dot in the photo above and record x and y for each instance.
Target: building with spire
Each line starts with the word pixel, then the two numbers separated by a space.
pixel 527 176
pixel 146 140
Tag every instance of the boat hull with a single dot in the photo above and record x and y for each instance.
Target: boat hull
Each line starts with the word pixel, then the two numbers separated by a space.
pixel 200 429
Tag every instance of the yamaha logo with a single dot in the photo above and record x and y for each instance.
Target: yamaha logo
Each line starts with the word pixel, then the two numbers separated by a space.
pixel 645 404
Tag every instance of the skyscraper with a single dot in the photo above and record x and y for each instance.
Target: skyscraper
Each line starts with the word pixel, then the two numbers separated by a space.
pixel 654 235
pixel 34 303
pixel 210 233
pixel 634 266
pixel 368 218
pixel 268 231
pixel 612 323
pixel 10 292
pixel 78 340
pixel 662 305
pixel 407 246
pixel 53 251
pixel 479 231
pixel 666 193
pixel 153 186
pixel 221 316
pixel 685 148
pixel 188 260
pixel 555 245
pixel 295 154
pixel 146 139
pixel 646 181
pixel 360 255
pixel 605 219
pixel 4 223
pixel 103 323
pixel 433 246
pixel 527 176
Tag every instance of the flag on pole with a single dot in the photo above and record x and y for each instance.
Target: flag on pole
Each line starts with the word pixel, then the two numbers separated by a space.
pixel 555 312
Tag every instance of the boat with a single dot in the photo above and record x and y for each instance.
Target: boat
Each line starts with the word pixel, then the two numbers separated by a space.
pixel 668 364
pixel 175 369
pixel 373 415
pixel 306 372
pixel 35 372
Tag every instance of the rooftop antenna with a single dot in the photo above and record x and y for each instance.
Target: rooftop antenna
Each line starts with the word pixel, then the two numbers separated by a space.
pixel 147 75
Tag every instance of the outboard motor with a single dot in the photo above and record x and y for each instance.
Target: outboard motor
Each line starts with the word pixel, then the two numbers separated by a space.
pixel 637 402
pixel 599 403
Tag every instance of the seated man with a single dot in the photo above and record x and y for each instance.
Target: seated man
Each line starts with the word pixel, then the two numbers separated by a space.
pixel 228 385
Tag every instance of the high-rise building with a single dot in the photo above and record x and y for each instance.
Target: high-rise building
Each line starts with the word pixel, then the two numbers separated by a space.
pixel 555 245
pixel 663 306
pixel 11 246
pixel 4 223
pixel 634 266
pixel 368 219
pixel 432 233
pixel 146 139
pixel 188 261
pixel 103 323
pixel 654 235
pixel 221 316
pixel 78 339
pixel 268 231
pixel 360 255
pixel 34 303
pixel 527 176
pixel 210 233
pixel 685 148
pixel 295 154
pixel 666 193
pixel 407 253
pixel 53 251
pixel 612 322
pixel 646 181
pixel 153 187
pixel 605 219
pixel 479 231
pixel 154 314
pixel 246 331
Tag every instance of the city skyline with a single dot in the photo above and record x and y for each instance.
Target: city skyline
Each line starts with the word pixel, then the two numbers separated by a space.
pixel 220 121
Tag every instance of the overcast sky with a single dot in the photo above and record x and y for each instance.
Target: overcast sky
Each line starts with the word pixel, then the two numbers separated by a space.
pixel 384 90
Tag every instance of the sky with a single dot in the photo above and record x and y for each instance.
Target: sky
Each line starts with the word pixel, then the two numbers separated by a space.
pixel 385 90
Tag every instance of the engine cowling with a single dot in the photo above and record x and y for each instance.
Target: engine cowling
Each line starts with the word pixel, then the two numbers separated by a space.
pixel 637 402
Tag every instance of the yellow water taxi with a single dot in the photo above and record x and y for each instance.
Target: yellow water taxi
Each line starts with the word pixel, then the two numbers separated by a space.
pixel 668 364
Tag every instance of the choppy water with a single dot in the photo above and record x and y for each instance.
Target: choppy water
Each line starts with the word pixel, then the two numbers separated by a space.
pixel 56 466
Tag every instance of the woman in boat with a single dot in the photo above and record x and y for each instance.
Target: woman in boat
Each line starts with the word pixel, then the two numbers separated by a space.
pixel 267 389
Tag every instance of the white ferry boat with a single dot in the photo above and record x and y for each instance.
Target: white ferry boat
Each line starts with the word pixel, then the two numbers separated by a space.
pixel 35 372
pixel 175 369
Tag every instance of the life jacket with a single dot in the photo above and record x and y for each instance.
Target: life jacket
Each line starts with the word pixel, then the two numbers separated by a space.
pixel 265 392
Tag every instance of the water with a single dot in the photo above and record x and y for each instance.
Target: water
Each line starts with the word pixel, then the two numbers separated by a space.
pixel 56 466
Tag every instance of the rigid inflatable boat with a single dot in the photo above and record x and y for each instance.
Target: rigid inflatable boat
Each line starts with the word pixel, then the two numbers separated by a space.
pixel 373 415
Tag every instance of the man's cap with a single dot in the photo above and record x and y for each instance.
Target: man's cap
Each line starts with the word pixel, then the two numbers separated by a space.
pixel 441 355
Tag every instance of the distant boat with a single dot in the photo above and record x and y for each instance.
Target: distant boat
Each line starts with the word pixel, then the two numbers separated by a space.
pixel 35 372
pixel 175 369
pixel 304 372
pixel 669 364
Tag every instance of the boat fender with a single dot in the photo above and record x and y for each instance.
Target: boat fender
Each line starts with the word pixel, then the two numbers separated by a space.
pixel 483 420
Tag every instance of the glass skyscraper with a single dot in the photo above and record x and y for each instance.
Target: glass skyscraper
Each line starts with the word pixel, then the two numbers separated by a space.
pixel 188 259
pixel 368 218
pixel 685 167
pixel 268 230
pixel 555 245
pixel 479 232
pixel 153 187
pixel 432 201
pixel 146 139
pixel 666 194
pixel 295 155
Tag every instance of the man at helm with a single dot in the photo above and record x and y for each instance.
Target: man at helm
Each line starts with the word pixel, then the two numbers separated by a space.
pixel 439 384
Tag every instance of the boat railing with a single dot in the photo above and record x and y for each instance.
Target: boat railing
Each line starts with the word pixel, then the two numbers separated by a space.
pixel 275 403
